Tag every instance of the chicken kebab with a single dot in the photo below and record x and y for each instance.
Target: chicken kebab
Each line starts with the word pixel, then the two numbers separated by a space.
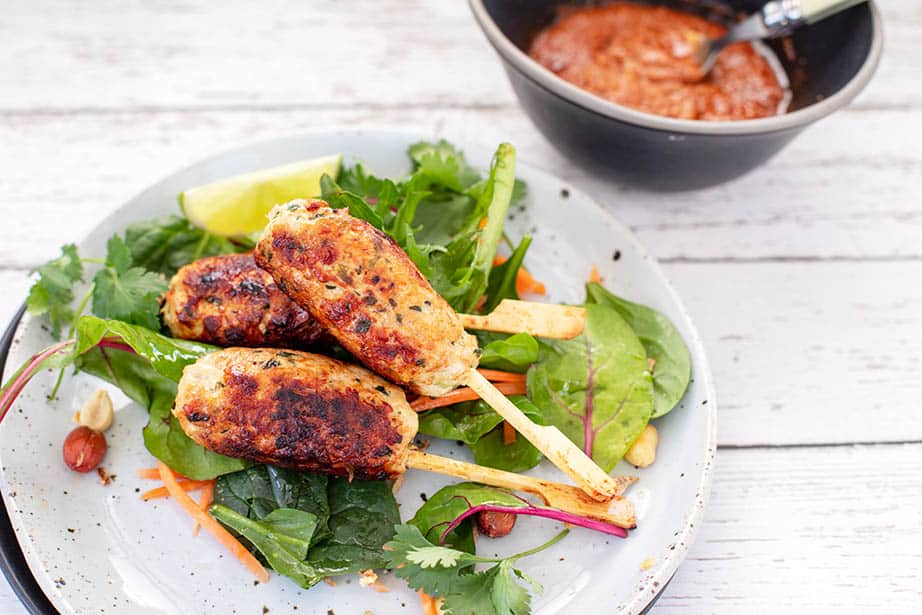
pixel 367 293
pixel 313 413
pixel 364 290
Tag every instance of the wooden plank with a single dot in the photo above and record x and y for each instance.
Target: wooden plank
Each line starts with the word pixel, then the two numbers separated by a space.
pixel 839 191
pixel 112 55
pixel 811 352
pixel 807 531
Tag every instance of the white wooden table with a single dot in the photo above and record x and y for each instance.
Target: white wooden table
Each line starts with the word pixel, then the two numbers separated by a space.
pixel 803 277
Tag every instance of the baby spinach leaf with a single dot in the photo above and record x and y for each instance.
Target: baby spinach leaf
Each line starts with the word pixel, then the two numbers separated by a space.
pixel 491 451
pixel 53 291
pixel 353 519
pixel 261 489
pixel 282 537
pixel 466 422
pixel 661 340
pixel 448 503
pixel 595 388
pixel 362 519
pixel 515 353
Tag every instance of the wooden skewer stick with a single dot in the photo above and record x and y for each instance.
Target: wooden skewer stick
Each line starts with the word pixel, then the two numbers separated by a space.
pixel 559 449
pixel 617 511
pixel 561 322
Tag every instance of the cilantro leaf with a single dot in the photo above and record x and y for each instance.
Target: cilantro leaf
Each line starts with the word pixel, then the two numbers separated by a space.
pixel 444 573
pixel 53 291
pixel 442 163
pixel 403 557
pixel 126 293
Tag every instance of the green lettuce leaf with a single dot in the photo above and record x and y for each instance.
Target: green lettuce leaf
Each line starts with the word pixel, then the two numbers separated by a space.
pixel 662 342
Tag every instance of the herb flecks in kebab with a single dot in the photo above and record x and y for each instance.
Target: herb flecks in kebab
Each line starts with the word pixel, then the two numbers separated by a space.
pixel 370 295
pixel 228 300
pixel 308 412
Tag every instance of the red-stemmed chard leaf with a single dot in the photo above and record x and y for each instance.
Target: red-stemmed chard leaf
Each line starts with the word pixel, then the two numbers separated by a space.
pixel 595 388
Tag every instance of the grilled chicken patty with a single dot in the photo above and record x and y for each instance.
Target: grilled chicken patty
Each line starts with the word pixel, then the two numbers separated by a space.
pixel 365 291
pixel 296 410
pixel 229 301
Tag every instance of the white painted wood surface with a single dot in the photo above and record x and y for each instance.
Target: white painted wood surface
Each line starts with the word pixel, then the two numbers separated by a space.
pixel 803 277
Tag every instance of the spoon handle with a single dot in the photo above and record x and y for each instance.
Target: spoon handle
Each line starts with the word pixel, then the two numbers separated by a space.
pixel 779 17
pixel 812 11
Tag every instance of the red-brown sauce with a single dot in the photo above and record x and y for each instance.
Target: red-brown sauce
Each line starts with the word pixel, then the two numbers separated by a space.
pixel 642 57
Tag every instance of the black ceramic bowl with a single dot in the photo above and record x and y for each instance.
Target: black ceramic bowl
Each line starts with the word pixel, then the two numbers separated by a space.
pixel 833 61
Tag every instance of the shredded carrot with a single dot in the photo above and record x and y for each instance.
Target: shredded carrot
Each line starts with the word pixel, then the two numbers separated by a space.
pixel 464 394
pixel 210 524
pixel 508 433
pixel 204 502
pixel 163 492
pixel 594 275
pixel 154 474
pixel 430 604
pixel 525 283
pixel 495 375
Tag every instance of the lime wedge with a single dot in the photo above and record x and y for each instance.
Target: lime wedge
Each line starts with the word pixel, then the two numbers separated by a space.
pixel 238 205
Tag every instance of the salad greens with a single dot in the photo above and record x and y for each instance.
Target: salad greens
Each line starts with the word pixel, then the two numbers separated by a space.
pixel 479 426
pixel 447 504
pixel 308 526
pixel 165 244
pixel 662 342
pixel 443 572
pixel 445 217
pixel 53 291
pixel 146 366
pixel 595 388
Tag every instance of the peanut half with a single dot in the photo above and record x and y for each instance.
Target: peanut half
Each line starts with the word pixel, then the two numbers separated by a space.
pixel 643 452
pixel 97 412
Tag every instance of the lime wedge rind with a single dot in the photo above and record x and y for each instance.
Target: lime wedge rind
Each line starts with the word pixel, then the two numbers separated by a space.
pixel 238 205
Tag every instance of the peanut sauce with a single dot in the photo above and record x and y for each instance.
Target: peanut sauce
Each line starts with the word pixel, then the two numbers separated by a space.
pixel 642 57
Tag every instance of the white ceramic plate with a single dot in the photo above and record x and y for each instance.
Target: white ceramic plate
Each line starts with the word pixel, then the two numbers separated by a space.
pixel 96 548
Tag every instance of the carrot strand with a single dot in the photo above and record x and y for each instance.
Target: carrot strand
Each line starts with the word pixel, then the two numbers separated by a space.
pixel 204 502
pixel 430 604
pixel 210 524
pixel 464 394
pixel 495 375
pixel 163 492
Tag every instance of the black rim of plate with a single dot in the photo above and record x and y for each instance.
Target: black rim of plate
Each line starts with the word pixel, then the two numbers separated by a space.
pixel 13 562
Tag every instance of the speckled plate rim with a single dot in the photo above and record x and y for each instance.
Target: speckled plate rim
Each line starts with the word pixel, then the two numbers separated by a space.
pixel 655 582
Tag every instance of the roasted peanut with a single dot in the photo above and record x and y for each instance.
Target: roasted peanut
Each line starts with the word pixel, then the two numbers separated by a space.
pixel 643 452
pixel 495 524
pixel 97 412
pixel 84 449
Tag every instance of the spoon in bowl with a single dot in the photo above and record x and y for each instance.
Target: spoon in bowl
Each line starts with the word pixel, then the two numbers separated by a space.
pixel 776 18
